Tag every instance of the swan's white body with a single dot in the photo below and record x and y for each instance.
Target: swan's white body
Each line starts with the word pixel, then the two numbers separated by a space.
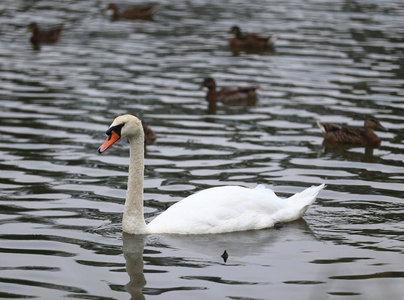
pixel 231 208
pixel 214 210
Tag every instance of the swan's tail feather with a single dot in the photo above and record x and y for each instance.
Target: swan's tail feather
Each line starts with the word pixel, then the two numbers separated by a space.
pixel 306 197
pixel 300 202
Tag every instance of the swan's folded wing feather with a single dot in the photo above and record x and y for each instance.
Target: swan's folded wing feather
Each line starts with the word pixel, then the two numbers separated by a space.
pixel 220 209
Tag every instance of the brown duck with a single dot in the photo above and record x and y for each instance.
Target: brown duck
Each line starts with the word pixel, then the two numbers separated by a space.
pixel 44 36
pixel 149 134
pixel 251 40
pixel 364 137
pixel 140 12
pixel 229 95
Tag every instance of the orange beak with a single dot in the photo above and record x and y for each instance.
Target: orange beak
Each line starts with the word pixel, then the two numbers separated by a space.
pixel 112 138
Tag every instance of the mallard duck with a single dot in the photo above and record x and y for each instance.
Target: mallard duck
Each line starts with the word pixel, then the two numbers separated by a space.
pixel 229 95
pixel 251 40
pixel 140 12
pixel 215 210
pixel 354 136
pixel 44 36
pixel 149 134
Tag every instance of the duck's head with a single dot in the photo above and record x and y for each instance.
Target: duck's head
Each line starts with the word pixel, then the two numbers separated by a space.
pixel 235 30
pixel 372 122
pixel 111 6
pixel 123 126
pixel 209 83
pixel 32 26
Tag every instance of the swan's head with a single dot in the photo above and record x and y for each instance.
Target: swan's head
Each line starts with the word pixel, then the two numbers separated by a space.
pixel 123 126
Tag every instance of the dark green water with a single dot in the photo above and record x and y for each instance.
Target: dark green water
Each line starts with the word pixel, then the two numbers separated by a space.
pixel 61 203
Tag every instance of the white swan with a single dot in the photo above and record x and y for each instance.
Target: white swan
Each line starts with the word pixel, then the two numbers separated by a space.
pixel 214 210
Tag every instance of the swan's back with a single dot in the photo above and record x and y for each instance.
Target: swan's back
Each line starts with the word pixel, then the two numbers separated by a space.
pixel 231 208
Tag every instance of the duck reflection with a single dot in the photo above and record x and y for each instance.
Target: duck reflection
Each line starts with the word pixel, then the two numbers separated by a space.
pixel 238 245
pixel 345 151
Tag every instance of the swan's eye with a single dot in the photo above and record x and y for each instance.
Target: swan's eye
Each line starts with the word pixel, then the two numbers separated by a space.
pixel 117 129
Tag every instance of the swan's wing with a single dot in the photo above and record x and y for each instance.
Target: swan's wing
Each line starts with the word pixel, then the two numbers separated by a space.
pixel 220 209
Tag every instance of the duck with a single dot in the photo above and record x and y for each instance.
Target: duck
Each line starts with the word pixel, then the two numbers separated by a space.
pixel 355 136
pixel 214 210
pixel 149 134
pixel 139 12
pixel 44 36
pixel 229 95
pixel 251 40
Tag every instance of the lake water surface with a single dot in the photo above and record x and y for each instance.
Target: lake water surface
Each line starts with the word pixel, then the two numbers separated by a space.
pixel 61 203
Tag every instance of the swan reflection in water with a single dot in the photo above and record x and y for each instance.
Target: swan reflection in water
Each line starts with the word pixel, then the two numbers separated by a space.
pixel 133 246
pixel 240 246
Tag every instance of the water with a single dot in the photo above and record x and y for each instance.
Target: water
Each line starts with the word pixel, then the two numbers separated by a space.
pixel 61 203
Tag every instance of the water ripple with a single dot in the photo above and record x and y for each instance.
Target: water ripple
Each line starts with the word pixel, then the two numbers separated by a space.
pixel 61 203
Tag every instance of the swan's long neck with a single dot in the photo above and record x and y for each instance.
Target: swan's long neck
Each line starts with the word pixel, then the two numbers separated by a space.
pixel 133 218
